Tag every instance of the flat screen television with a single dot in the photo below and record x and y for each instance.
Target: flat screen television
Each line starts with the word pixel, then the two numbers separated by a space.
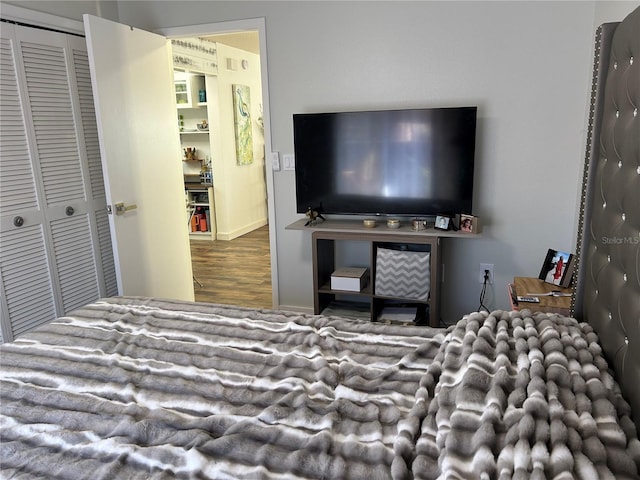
pixel 413 162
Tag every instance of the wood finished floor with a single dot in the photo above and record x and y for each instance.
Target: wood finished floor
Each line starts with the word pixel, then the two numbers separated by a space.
pixel 234 272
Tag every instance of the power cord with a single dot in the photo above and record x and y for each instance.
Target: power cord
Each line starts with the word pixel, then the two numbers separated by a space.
pixel 483 292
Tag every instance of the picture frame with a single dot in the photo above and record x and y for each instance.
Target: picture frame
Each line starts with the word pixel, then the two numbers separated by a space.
pixel 242 124
pixel 442 222
pixel 558 268
pixel 468 223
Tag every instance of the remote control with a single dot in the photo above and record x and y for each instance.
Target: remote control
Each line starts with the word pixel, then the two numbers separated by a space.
pixel 528 299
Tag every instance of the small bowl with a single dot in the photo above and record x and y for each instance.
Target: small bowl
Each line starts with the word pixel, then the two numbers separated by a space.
pixel 202 127
pixel 393 223
pixel 369 223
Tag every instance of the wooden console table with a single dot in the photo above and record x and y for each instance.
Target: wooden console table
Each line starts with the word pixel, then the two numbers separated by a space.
pixel 326 234
pixel 523 286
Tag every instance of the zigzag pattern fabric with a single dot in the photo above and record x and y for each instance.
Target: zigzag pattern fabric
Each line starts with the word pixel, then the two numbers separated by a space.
pixel 403 274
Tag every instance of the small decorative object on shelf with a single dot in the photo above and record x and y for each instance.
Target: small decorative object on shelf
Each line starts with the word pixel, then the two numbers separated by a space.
pixel 558 268
pixel 469 224
pixel 443 222
pixel 369 223
pixel 190 154
pixel 203 127
pixel 418 224
pixel 314 217
pixel 393 223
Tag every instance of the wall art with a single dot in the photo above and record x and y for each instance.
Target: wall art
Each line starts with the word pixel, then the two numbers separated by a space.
pixel 242 124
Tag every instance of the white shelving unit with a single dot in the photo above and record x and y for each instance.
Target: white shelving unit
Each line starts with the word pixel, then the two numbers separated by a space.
pixel 201 212
pixel 191 111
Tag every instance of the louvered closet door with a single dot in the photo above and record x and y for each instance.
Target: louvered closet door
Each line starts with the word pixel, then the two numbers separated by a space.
pixel 27 289
pixel 69 261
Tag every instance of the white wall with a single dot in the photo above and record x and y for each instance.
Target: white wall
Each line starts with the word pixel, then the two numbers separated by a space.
pixel 613 11
pixel 240 190
pixel 527 65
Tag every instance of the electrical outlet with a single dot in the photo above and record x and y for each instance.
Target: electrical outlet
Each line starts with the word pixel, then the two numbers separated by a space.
pixel 483 267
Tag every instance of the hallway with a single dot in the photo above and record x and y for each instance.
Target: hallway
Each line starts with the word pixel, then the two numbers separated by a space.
pixel 234 272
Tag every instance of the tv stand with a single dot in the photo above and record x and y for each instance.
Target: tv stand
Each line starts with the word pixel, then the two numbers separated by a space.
pixel 324 237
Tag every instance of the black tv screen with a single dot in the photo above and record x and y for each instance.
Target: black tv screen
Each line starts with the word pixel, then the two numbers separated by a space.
pixel 416 162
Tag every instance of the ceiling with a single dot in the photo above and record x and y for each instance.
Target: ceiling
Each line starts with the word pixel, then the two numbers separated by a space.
pixel 247 40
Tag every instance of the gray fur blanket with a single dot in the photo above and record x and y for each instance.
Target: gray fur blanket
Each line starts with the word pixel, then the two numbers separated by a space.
pixel 130 388
pixel 515 395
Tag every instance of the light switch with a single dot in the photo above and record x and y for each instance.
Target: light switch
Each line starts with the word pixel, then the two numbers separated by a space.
pixel 288 161
pixel 275 161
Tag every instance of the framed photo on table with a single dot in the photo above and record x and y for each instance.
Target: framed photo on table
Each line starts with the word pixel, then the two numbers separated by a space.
pixel 442 222
pixel 557 268
pixel 468 223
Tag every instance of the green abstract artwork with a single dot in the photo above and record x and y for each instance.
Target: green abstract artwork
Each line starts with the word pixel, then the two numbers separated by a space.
pixel 242 124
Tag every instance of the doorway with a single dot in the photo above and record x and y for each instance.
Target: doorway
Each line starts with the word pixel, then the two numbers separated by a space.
pixel 235 272
pixel 243 35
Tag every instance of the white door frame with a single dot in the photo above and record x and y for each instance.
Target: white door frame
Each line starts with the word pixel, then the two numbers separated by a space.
pixel 230 27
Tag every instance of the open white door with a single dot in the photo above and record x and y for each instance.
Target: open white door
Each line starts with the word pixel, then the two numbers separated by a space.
pixel 132 82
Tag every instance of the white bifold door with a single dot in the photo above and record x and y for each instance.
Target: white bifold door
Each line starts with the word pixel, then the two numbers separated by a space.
pixel 55 246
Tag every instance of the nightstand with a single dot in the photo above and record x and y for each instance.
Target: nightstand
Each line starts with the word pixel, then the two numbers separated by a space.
pixel 524 286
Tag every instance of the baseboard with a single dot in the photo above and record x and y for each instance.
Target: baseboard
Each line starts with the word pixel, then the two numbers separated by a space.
pixel 297 309
pixel 241 231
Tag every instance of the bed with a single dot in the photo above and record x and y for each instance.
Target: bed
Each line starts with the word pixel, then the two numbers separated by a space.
pixel 140 388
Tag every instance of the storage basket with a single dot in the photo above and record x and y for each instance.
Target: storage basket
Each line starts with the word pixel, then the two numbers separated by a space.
pixel 403 274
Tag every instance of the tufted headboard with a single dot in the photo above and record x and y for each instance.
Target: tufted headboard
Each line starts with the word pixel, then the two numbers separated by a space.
pixel 607 293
